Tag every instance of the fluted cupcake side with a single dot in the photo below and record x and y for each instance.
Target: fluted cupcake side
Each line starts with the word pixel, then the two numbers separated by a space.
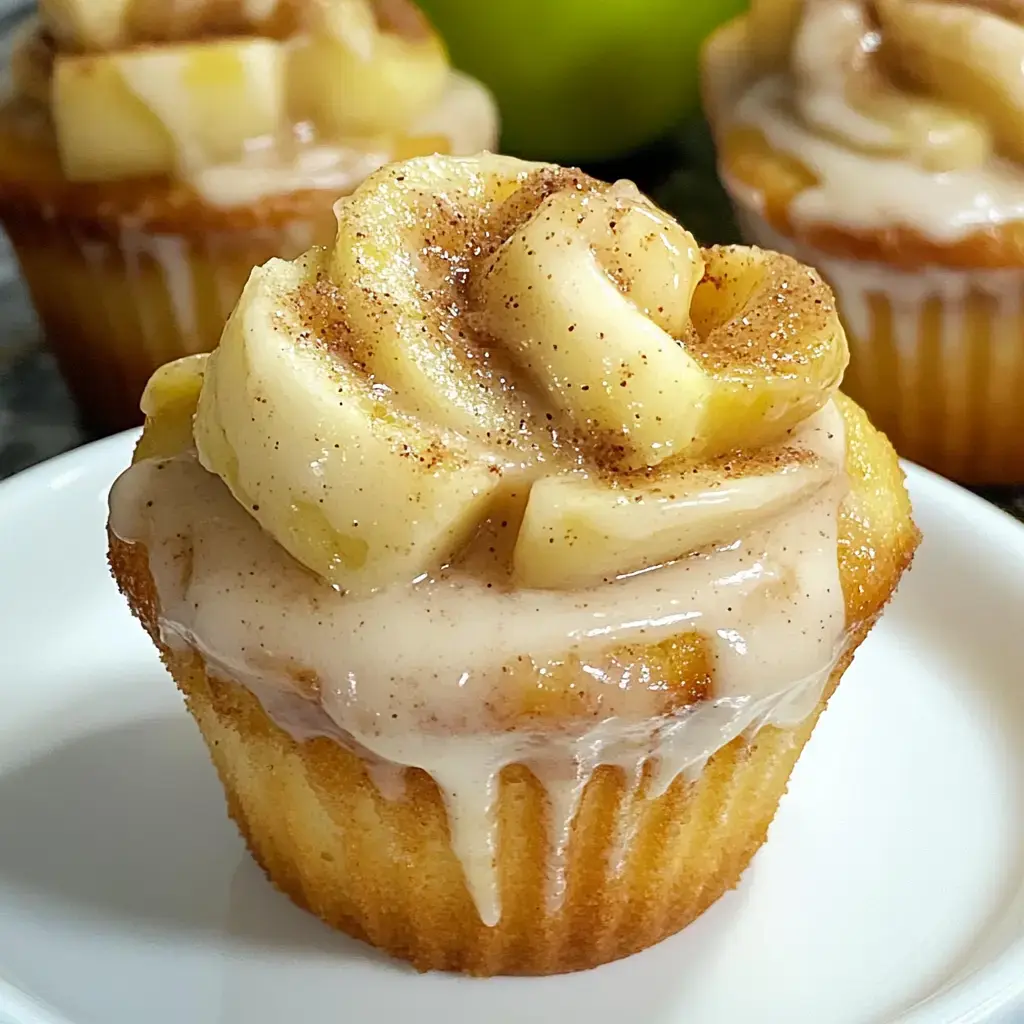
pixel 935 355
pixel 376 861
pixel 118 300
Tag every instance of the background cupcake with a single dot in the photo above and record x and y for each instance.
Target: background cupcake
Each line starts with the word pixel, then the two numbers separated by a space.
pixel 881 143
pixel 152 153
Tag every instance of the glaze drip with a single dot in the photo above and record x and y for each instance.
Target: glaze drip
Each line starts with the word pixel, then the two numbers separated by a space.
pixel 420 683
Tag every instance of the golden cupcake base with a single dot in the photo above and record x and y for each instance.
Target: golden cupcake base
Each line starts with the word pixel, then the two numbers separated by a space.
pixel 381 868
pixel 395 882
pixel 639 867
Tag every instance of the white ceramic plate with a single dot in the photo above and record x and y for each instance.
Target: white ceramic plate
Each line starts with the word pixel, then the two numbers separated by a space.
pixel 890 889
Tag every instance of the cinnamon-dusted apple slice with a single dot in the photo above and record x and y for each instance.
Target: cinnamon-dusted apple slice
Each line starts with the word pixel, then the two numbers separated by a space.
pixel 579 531
pixel 766 333
pixel 406 244
pixel 354 489
pixel 592 295
pixel 588 294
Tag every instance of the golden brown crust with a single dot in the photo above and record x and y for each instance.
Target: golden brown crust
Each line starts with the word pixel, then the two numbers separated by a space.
pixel 32 184
pixel 149 22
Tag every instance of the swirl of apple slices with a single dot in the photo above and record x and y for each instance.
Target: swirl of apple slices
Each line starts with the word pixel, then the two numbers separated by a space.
pixel 153 87
pixel 492 345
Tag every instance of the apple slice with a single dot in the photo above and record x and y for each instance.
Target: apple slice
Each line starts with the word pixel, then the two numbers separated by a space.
pixel 588 295
pixel 361 494
pixel 156 109
pixel 169 402
pixel 404 246
pixel 353 76
pixel 579 531
pixel 592 295
pixel 104 131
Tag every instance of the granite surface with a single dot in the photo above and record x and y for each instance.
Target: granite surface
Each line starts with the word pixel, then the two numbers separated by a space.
pixel 37 418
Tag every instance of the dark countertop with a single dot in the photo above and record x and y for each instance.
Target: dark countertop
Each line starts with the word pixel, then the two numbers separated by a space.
pixel 37 418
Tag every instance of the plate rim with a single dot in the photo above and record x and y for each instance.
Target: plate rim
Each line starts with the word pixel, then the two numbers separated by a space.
pixel 987 991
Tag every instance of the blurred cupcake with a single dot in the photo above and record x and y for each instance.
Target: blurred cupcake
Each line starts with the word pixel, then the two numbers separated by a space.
pixel 881 142
pixel 507 584
pixel 152 152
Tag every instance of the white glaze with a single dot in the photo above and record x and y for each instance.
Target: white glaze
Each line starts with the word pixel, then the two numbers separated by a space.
pixel 414 674
pixel 832 47
pixel 465 114
pixel 861 191
pixel 268 171
pixel 168 256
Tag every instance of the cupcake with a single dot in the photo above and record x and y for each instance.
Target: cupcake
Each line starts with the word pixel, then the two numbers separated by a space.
pixel 506 553
pixel 152 152
pixel 881 142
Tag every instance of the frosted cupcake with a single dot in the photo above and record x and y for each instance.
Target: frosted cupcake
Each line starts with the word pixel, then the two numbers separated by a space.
pixel 152 152
pixel 507 582
pixel 882 143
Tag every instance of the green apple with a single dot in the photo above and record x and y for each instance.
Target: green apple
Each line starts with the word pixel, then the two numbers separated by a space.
pixel 582 80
